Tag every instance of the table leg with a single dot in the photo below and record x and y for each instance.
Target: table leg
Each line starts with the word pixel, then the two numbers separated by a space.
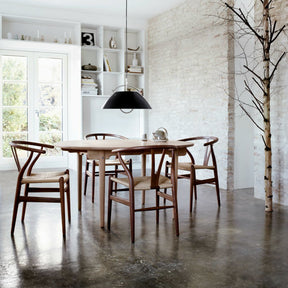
pixel 79 176
pixel 143 174
pixel 176 171
pixel 175 175
pixel 102 188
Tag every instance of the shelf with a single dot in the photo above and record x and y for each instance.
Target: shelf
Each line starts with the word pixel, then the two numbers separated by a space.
pixel 95 48
pixel 92 71
pixel 96 96
pixel 112 73
pixel 109 50
pixel 33 29
pixel 137 52
pixel 134 74
pixel 90 95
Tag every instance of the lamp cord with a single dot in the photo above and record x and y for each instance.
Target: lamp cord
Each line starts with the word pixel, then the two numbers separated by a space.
pixel 126 44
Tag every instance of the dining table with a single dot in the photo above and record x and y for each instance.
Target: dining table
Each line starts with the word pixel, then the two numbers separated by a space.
pixel 103 149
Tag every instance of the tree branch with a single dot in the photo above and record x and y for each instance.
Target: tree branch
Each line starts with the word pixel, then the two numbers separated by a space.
pixel 251 118
pixel 278 33
pixel 276 65
pixel 244 19
pixel 259 87
pixel 259 109
pixel 266 146
pixel 259 103
pixel 256 75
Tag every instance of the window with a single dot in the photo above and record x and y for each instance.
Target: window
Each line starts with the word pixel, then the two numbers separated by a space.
pixel 33 96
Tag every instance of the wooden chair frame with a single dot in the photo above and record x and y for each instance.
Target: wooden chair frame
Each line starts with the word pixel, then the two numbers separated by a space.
pixel 209 156
pixel 149 183
pixel 93 173
pixel 26 178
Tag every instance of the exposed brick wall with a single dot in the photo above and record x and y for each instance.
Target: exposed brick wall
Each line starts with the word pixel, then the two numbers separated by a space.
pixel 188 78
pixel 279 116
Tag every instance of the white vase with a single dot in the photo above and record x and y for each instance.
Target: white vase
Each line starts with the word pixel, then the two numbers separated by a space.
pixel 135 60
pixel 112 43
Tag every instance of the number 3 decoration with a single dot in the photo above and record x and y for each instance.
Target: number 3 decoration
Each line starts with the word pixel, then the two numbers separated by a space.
pixel 88 39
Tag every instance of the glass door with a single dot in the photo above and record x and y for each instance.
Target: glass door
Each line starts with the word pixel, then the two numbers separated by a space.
pixel 14 104
pixel 33 90
pixel 49 96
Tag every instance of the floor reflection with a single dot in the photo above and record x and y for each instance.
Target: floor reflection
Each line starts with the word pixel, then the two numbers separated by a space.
pixel 236 245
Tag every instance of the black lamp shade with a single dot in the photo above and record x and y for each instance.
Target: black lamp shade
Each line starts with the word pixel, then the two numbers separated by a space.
pixel 126 100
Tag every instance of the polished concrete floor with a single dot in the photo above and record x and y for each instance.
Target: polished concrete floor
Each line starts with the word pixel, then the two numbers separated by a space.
pixel 237 245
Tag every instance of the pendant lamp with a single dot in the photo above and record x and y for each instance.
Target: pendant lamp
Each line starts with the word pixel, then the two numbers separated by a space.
pixel 126 99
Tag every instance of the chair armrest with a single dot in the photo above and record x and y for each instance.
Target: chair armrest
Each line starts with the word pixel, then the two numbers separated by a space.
pixel 27 148
pixel 32 144
pixel 211 142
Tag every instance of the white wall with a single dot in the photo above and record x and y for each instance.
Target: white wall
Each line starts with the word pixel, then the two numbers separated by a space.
pixel 244 129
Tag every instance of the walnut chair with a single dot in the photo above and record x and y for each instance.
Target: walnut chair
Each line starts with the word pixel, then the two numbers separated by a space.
pixel 189 169
pixel 112 162
pixel 29 179
pixel 154 181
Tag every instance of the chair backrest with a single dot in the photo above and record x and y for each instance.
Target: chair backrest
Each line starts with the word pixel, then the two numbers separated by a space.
pixel 103 136
pixel 208 142
pixel 152 150
pixel 35 149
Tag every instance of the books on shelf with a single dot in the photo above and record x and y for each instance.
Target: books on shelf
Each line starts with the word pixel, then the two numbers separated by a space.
pixel 88 86
pixel 88 81
pixel 134 69
pixel 106 66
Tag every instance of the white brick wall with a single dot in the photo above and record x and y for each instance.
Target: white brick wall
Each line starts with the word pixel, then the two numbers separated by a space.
pixel 188 77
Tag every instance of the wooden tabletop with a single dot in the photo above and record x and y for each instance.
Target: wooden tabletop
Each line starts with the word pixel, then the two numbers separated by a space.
pixel 111 144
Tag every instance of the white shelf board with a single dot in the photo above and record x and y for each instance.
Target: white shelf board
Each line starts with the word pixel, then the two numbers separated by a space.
pixel 91 71
pixel 86 47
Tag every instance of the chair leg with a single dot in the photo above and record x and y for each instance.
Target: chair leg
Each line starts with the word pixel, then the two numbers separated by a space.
pixel 193 172
pixel 132 214
pixel 24 203
pixel 15 209
pixel 116 176
pixel 86 178
pixel 62 204
pixel 166 175
pixel 191 190
pixel 109 203
pixel 93 181
pixel 217 189
pixel 157 206
pixel 68 199
pixel 175 210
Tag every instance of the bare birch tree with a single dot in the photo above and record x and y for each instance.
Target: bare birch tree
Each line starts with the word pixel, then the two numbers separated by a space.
pixel 265 34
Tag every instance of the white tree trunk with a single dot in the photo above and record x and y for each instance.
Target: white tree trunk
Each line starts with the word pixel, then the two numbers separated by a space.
pixel 267 123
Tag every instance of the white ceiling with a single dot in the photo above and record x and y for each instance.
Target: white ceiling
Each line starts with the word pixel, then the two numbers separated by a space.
pixel 142 9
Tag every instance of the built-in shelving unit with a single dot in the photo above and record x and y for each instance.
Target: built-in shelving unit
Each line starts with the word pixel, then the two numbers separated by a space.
pixel 112 75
